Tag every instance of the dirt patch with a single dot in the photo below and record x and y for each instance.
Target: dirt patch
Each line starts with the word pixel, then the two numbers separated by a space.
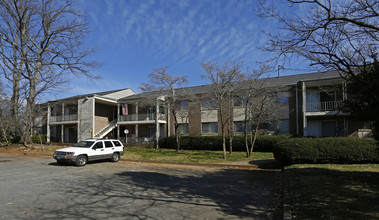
pixel 30 149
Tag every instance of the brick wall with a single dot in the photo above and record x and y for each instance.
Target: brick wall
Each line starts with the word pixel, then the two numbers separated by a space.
pixel 194 119
pixel 85 116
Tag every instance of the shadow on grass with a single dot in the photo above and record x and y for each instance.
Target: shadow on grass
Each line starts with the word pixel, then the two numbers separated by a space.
pixel 317 193
pixel 266 164
pixel 168 195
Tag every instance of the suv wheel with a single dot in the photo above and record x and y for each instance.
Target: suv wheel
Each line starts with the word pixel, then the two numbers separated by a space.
pixel 81 160
pixel 115 157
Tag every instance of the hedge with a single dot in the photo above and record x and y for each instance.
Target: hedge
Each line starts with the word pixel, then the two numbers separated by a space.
pixel 327 150
pixel 263 143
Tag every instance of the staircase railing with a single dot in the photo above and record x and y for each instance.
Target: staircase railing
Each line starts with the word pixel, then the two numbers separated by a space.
pixel 106 129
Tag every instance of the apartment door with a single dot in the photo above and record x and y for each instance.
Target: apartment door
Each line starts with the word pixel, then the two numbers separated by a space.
pixel 328 128
pixel 114 114
pixel 150 113
pixel 313 102
pixel 66 135
pixel 313 128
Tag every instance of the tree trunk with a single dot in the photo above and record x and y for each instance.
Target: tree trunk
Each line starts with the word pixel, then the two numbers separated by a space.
pixel 223 144
pixel 253 139
pixel 3 130
pixel 177 143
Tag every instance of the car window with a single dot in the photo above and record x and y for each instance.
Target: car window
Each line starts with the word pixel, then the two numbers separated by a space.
pixel 98 145
pixel 108 144
pixel 117 143
pixel 85 144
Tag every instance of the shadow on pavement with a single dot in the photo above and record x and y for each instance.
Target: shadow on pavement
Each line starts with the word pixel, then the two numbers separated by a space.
pixel 156 195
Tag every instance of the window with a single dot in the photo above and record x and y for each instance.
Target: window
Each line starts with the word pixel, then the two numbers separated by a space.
pixel 108 144
pixel 183 128
pixel 284 126
pixel 237 101
pixel 283 97
pixel 209 104
pixel 98 145
pixel 116 143
pixel 181 105
pixel 209 128
pixel 239 126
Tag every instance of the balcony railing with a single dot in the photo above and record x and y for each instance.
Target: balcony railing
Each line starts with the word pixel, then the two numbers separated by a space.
pixel 60 118
pixel 324 106
pixel 136 140
pixel 141 117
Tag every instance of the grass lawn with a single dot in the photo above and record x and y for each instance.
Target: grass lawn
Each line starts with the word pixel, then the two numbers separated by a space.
pixel 331 191
pixel 188 156
pixel 164 155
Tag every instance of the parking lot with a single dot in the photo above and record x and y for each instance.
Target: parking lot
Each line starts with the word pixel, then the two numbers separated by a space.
pixel 38 188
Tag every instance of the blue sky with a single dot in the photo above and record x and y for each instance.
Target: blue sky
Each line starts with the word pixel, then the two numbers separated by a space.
pixel 133 37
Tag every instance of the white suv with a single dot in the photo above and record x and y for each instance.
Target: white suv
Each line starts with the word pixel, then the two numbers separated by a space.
pixel 89 150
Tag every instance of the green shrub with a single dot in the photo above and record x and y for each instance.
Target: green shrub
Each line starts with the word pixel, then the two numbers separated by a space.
pixel 16 140
pixel 37 139
pixel 263 143
pixel 326 150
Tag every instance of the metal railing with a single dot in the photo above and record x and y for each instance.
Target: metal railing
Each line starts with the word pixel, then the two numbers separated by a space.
pixel 106 129
pixel 59 118
pixel 141 117
pixel 324 106
pixel 136 140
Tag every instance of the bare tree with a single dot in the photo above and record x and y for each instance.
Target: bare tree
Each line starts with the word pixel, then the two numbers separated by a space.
pixel 42 43
pixel 263 109
pixel 223 80
pixel 171 88
pixel 332 34
pixel 340 35
pixel 251 95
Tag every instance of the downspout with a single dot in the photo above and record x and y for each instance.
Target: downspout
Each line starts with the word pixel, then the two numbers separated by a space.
pixel 297 111
pixel 48 123
pixel 118 119
pixel 156 125
pixel 303 108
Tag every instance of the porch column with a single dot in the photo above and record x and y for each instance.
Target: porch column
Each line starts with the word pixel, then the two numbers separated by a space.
pixel 136 118
pixel 136 111
pixel 156 124
pixel 118 119
pixel 63 119
pixel 168 121
pixel 62 133
pixel 48 123
pixel 344 92
pixel 304 102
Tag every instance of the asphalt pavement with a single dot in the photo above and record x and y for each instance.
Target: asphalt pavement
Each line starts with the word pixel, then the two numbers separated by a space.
pixel 38 188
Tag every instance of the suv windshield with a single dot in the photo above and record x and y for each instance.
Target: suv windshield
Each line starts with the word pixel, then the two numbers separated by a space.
pixel 85 144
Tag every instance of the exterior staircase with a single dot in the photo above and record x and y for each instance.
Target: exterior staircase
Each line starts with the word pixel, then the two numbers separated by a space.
pixel 106 129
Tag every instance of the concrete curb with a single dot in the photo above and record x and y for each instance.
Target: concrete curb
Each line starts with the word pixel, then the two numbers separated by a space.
pixel 213 165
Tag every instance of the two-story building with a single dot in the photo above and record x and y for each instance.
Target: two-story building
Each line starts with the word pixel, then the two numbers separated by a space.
pixel 80 117
pixel 309 104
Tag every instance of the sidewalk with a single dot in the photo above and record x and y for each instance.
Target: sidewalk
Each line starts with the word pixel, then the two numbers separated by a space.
pixel 247 165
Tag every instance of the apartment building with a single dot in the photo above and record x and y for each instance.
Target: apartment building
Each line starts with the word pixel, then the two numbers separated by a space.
pixel 80 117
pixel 308 105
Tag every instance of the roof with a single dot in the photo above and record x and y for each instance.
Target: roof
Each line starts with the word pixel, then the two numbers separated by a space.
pixel 113 95
pixel 272 81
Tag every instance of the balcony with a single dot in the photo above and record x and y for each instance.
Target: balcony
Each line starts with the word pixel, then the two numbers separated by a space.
pixel 141 117
pixel 324 108
pixel 65 118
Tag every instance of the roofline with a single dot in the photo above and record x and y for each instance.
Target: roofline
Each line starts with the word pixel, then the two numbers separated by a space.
pixel 96 95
